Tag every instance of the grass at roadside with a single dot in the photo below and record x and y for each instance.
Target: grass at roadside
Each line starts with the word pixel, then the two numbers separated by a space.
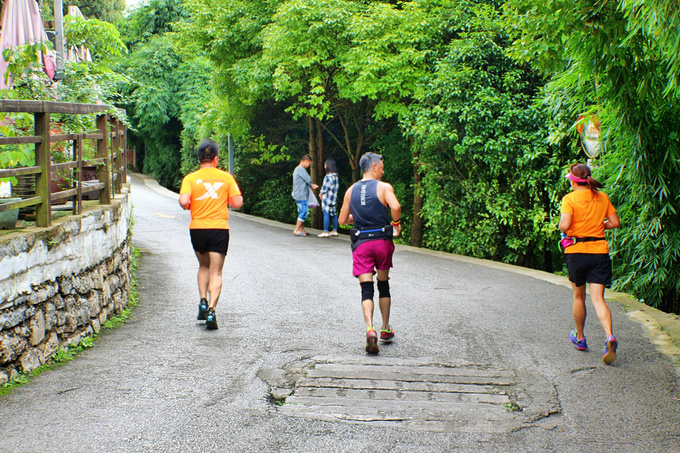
pixel 66 354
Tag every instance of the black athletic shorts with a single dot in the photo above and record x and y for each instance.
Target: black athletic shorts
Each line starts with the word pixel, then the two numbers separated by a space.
pixel 588 267
pixel 210 240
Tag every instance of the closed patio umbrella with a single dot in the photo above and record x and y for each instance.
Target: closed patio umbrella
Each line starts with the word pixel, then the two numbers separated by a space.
pixel 22 24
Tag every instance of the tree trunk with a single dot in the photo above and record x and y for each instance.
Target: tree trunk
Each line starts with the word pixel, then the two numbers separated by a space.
pixel 547 261
pixel 417 229
pixel 352 154
pixel 320 159
pixel 316 150
pixel 317 214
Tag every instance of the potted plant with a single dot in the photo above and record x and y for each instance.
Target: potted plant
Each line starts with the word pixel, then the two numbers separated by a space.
pixel 8 219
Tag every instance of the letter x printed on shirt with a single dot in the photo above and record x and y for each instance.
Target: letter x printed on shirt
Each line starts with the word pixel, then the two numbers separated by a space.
pixel 211 190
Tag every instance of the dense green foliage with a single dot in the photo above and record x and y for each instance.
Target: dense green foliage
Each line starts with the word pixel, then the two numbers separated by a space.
pixel 491 181
pixel 621 62
pixel 160 97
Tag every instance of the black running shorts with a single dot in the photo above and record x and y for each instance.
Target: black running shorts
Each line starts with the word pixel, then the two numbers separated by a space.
pixel 591 268
pixel 210 240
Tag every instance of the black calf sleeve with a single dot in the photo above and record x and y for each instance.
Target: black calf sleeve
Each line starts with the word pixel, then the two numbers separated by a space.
pixel 367 290
pixel 383 288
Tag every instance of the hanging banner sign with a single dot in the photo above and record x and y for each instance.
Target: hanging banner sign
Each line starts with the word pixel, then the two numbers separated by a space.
pixel 589 128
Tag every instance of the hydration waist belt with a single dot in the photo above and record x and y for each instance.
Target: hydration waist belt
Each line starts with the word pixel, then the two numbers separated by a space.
pixel 385 232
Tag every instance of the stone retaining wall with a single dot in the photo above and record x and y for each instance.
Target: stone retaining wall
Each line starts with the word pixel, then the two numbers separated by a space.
pixel 60 284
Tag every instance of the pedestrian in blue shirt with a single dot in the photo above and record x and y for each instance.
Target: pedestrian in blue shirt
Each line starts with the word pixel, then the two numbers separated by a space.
pixel 329 198
pixel 302 184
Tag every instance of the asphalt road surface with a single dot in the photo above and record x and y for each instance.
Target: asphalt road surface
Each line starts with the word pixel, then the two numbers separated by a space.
pixel 481 361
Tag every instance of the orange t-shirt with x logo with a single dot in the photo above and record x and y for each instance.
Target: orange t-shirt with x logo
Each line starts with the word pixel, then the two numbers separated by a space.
pixel 210 190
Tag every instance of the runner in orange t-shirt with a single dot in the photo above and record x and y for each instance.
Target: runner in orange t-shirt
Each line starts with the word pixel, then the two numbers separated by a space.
pixel 208 193
pixel 586 214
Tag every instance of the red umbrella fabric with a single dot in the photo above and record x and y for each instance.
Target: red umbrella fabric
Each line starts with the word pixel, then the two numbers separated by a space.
pixel 22 24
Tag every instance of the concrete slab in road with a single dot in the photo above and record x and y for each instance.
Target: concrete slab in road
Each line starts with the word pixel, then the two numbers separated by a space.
pixel 420 394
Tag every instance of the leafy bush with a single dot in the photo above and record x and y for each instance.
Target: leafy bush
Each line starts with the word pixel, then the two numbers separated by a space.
pixel 491 183
pixel 273 201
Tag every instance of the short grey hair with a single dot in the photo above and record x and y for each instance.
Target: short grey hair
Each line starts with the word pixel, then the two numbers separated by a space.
pixel 367 161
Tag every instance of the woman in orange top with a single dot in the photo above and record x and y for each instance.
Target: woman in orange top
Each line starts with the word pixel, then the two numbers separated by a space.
pixel 586 214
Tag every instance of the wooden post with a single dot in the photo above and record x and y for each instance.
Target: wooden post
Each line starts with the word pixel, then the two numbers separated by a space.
pixel 59 29
pixel 124 150
pixel 43 212
pixel 103 170
pixel 78 202
pixel 115 152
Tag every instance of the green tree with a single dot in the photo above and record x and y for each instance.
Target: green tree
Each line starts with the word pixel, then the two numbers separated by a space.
pixel 387 59
pixel 304 48
pixel 659 21
pixel 477 141
pixel 165 94
pixel 287 66
pixel 348 71
pixel 619 60
pixel 150 19
pixel 155 108
pixel 438 66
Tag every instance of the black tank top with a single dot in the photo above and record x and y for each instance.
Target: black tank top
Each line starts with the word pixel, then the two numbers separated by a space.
pixel 366 208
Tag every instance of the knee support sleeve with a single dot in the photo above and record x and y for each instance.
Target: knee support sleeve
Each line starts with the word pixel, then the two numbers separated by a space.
pixel 383 288
pixel 366 290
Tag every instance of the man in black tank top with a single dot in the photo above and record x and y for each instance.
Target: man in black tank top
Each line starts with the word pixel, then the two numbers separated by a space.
pixel 365 205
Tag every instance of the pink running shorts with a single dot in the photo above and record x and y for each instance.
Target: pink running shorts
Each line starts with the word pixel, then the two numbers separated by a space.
pixel 372 255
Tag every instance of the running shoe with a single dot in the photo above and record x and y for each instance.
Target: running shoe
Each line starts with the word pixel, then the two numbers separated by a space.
pixel 210 320
pixel 371 341
pixel 325 234
pixel 334 233
pixel 581 345
pixel 610 350
pixel 386 335
pixel 202 309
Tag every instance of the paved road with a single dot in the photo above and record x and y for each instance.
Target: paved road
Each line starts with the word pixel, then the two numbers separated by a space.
pixel 473 343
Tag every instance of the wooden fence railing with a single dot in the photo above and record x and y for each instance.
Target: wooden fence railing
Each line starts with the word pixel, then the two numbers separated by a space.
pixel 110 158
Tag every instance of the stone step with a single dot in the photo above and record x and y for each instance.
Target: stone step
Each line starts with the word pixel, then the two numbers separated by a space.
pixel 398 395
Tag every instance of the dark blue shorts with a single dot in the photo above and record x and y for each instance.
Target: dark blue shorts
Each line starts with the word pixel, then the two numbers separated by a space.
pixel 210 240
pixel 591 268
